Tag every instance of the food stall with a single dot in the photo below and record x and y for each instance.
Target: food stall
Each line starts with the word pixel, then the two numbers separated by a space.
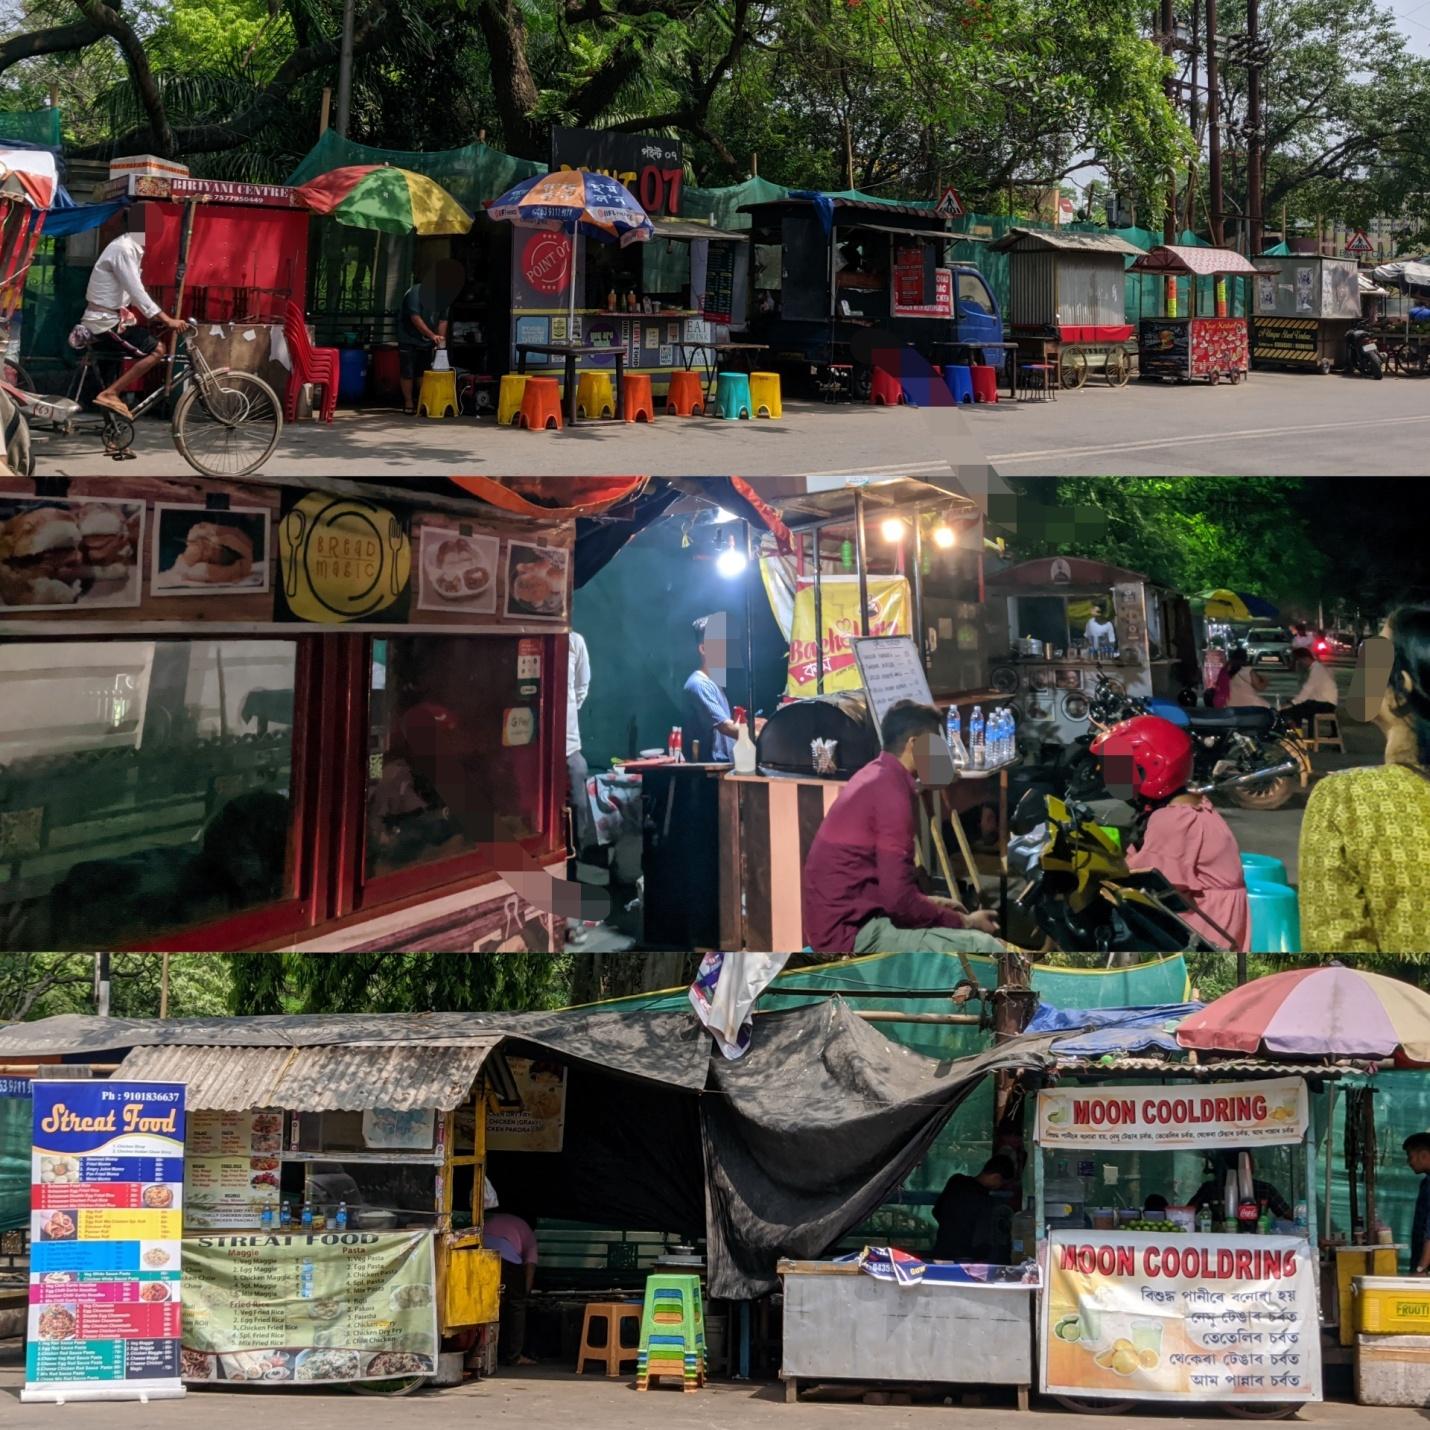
pixel 1305 304
pixel 1184 342
pixel 1037 612
pixel 1068 302
pixel 829 273
pixel 1225 1311
pixel 311 715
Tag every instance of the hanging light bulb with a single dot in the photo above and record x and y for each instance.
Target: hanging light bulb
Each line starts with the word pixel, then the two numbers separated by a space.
pixel 731 561
pixel 892 529
pixel 944 536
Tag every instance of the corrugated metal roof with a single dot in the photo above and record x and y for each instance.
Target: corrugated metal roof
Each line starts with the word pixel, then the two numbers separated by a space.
pixel 343 1078
pixel 1204 262
pixel 1028 240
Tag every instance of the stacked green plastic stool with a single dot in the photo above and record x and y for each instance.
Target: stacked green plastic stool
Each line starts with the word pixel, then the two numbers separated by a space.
pixel 672 1333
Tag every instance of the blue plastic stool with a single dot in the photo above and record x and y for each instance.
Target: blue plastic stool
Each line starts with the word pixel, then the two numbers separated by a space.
pixel 1264 869
pixel 732 395
pixel 959 380
pixel 1275 918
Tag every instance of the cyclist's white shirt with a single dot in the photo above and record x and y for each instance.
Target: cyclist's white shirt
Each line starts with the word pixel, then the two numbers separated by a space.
pixel 116 283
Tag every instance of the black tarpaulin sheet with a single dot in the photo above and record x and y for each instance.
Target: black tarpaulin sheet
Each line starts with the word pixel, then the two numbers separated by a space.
pixel 808 1133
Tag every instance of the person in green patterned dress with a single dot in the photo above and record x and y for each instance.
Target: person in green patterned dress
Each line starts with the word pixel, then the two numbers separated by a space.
pixel 1365 839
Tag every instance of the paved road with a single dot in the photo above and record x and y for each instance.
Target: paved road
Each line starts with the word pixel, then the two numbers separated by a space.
pixel 548 1400
pixel 1276 424
pixel 809 439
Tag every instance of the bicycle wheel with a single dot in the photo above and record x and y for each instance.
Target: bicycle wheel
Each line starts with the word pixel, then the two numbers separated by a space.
pixel 228 424
pixel 17 376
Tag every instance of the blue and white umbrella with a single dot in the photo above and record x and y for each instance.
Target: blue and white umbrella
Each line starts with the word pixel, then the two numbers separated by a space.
pixel 577 202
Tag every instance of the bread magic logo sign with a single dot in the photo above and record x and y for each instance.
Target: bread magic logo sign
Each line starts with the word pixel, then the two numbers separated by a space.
pixel 342 560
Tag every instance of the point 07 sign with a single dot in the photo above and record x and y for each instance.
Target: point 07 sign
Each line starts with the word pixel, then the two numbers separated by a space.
pixel 653 169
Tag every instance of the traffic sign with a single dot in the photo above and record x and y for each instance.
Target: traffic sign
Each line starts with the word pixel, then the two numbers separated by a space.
pixel 1360 244
pixel 950 205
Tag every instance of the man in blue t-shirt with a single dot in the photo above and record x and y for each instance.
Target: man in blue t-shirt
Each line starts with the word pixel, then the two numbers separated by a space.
pixel 422 324
pixel 1417 1156
pixel 708 718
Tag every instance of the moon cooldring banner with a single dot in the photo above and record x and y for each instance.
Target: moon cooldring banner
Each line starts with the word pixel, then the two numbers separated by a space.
pixel 106 1214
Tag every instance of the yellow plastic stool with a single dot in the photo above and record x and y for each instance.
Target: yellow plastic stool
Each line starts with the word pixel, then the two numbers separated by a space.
pixel 765 394
pixel 513 389
pixel 595 397
pixel 438 396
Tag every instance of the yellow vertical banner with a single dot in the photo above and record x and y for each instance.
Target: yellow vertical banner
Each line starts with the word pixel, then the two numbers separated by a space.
pixel 889 615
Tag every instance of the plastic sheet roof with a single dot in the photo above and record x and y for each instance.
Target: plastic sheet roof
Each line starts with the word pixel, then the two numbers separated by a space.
pixel 1202 262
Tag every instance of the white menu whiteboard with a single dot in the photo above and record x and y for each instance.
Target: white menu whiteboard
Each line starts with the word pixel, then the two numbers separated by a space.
pixel 892 670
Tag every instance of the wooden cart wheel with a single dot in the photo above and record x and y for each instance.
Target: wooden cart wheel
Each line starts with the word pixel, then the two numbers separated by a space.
pixel 1117 370
pixel 1072 368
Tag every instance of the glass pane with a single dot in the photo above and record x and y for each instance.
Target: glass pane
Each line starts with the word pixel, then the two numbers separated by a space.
pixel 455 763
pixel 144 786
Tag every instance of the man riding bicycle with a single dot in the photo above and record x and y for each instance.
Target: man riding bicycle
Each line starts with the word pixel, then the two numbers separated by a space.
pixel 115 284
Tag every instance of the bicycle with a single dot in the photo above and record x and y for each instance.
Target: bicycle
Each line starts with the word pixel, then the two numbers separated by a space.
pixel 225 422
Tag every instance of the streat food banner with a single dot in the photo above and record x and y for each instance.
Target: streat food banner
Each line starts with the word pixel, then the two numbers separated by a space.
pixel 889 615
pixel 1229 1114
pixel 1143 1316
pixel 106 1214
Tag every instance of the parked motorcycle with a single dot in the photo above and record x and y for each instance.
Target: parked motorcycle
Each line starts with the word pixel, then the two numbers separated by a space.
pixel 1363 354
pixel 1249 751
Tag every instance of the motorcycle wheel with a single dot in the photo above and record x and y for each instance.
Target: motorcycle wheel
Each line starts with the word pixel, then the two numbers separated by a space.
pixel 1264 794
pixel 1372 365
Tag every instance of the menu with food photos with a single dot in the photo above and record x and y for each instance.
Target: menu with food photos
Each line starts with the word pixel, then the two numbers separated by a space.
pixel 106 1216
pixel 233 1168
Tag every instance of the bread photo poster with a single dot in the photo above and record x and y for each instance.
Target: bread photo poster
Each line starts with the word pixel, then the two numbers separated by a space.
pixel 58 554
pixel 198 550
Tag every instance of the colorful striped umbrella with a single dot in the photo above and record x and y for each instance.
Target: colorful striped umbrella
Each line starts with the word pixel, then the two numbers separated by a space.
pixel 577 202
pixel 1328 1012
pixel 387 199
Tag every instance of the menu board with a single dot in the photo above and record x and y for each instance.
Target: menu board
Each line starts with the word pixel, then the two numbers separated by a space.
pixel 719 300
pixel 107 1174
pixel 233 1167
pixel 310 1308
pixel 539 1124
pixel 1136 1315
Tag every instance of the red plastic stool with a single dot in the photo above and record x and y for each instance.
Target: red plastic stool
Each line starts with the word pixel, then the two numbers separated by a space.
pixel 686 394
pixel 636 397
pixel 885 390
pixel 985 383
pixel 541 405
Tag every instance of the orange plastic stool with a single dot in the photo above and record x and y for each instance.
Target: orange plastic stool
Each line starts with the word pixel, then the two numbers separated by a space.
pixel 636 397
pixel 985 383
pixel 686 394
pixel 611 1352
pixel 541 404
pixel 885 390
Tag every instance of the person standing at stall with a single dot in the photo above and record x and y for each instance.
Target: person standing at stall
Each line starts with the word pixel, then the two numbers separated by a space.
pixel 1099 633
pixel 422 326
pixel 1417 1157
pixel 578 684
pixel 859 888
pixel 709 722
pixel 974 1227
pixel 515 1242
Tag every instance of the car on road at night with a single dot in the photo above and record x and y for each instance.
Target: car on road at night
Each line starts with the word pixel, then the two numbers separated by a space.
pixel 1269 643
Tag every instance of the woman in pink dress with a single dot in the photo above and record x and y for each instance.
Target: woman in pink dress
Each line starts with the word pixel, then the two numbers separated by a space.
pixel 1181 835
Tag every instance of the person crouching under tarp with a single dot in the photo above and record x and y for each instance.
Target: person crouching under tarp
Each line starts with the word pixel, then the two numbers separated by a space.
pixel 860 890
pixel 1148 761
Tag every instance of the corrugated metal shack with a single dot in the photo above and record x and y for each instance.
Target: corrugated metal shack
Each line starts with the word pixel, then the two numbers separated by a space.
pixel 1060 281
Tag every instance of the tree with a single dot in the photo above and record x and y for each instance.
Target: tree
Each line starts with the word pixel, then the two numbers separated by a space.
pixel 40 985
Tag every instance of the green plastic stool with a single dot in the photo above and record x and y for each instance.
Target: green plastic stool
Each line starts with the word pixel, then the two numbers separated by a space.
pixel 1275 917
pixel 1264 869
pixel 732 395
pixel 672 1340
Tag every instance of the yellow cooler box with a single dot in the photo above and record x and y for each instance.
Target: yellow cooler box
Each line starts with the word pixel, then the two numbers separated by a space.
pixel 1391 1305
pixel 1350 1263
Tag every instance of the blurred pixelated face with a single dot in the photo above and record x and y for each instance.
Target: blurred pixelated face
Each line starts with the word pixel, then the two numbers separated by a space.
pixel 929 759
pixel 1119 774
pixel 715 650
pixel 1369 697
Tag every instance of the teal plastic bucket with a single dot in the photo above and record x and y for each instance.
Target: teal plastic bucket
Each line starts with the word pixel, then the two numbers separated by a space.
pixel 1264 869
pixel 1275 917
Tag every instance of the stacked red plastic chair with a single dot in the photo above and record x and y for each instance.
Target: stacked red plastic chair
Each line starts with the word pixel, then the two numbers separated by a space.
pixel 320 366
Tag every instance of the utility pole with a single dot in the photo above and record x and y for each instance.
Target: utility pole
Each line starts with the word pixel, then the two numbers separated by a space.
pixel 1215 197
pixel 345 70
pixel 1014 1003
pixel 1253 135
pixel 1169 221
pixel 101 984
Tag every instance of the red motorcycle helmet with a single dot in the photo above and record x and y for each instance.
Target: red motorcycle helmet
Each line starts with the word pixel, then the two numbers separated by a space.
pixel 1157 753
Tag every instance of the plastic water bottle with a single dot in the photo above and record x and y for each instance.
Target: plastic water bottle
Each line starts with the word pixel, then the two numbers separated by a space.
pixel 1303 1221
pixel 265 1217
pixel 306 1219
pixel 340 1221
pixel 955 739
pixel 285 1216
pixel 976 751
pixel 1000 735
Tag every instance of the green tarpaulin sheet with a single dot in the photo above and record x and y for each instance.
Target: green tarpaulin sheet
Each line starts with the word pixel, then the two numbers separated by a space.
pixel 15 1118
pixel 31 126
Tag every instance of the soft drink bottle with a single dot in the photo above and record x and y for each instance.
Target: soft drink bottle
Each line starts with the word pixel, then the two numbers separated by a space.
pixel 976 751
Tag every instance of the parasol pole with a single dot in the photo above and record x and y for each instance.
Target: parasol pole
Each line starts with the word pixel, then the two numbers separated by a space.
pixel 571 301
pixel 181 277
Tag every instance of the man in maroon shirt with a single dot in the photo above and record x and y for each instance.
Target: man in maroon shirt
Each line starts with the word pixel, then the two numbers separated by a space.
pixel 860 891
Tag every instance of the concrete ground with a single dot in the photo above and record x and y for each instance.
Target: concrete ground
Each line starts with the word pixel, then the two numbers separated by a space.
pixel 809 439
pixel 553 1400
pixel 1275 424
